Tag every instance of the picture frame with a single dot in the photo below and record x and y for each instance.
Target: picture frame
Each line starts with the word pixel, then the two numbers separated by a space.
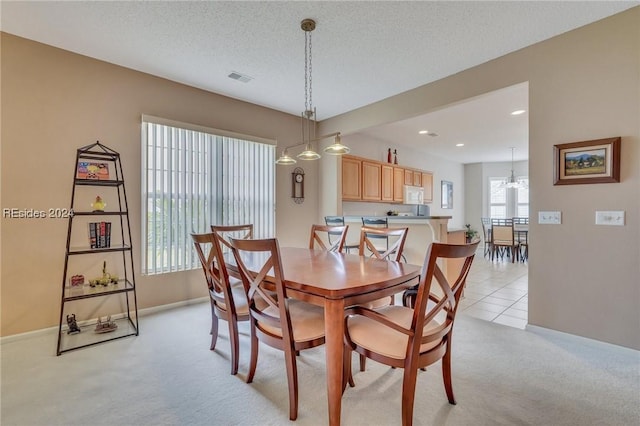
pixel 595 161
pixel 446 194
pixel 92 170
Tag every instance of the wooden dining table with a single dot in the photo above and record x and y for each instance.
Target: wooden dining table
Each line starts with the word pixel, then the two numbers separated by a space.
pixel 335 281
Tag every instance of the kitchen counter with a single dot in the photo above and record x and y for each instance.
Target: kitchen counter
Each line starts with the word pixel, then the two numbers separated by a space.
pixel 423 230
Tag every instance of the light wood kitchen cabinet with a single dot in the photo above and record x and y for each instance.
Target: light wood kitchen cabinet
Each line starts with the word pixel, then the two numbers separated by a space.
pixel 417 178
pixel 398 184
pixel 387 183
pixel 408 177
pixel 371 180
pixel 351 178
pixel 427 184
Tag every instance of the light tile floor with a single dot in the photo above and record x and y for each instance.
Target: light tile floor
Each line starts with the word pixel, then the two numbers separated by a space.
pixel 497 291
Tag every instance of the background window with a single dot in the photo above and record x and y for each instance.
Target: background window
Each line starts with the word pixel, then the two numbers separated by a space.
pixel 193 179
pixel 508 202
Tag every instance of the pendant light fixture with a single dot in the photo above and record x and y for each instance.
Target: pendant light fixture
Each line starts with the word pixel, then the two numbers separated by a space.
pixel 512 182
pixel 308 116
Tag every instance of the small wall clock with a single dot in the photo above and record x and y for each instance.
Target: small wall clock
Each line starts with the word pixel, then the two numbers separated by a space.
pixel 297 185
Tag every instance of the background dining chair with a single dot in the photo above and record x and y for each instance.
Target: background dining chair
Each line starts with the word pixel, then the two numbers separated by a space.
pixel 503 239
pixel 486 235
pixel 381 241
pixel 282 323
pixel 226 294
pixel 321 234
pixel 398 236
pixel 338 221
pixel 522 236
pixel 413 337
pixel 241 232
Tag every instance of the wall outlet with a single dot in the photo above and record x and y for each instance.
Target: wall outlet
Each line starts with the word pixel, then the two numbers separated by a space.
pixel 549 218
pixel 615 218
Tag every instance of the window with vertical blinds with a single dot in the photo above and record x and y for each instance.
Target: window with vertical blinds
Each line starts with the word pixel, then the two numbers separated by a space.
pixel 195 177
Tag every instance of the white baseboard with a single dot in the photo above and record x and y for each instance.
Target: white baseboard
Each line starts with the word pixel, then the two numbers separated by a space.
pixel 141 313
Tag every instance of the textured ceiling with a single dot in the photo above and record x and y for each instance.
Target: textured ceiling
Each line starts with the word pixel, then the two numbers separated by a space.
pixel 362 51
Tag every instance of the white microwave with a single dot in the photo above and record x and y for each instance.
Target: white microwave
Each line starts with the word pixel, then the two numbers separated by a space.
pixel 413 195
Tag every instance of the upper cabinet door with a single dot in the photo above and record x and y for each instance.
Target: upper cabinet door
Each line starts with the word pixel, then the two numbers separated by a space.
pixel 417 178
pixel 371 181
pixel 398 184
pixel 427 184
pixel 351 178
pixel 387 183
pixel 408 177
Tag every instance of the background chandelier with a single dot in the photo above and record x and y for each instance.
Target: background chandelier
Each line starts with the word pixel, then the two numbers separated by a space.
pixel 512 182
pixel 309 114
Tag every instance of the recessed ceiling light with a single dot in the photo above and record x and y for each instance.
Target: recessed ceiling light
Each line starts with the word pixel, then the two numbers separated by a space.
pixel 518 112
pixel 423 132
pixel 459 144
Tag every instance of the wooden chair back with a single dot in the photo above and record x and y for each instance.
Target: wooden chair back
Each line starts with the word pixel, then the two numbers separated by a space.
pixel 330 238
pixel 242 232
pixel 503 237
pixel 209 253
pixel 395 238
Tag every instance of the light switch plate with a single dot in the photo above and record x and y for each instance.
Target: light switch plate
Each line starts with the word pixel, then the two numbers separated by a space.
pixel 549 218
pixel 615 218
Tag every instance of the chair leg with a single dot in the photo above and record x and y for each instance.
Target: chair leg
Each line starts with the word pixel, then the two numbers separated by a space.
pixel 408 395
pixel 446 375
pixel 363 362
pixel 292 381
pixel 235 346
pixel 347 377
pixel 214 328
pixel 254 353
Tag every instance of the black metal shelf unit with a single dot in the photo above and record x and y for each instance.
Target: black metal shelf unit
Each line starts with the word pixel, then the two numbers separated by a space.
pixel 80 334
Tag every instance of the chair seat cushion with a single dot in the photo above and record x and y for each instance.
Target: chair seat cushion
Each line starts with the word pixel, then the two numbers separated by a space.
pixel 374 336
pixel 307 320
pixel 239 297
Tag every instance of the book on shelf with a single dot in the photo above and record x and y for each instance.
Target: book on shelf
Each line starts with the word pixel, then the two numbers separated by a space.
pixel 92 170
pixel 99 234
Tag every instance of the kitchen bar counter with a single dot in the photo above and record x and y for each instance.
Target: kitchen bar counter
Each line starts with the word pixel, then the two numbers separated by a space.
pixel 423 230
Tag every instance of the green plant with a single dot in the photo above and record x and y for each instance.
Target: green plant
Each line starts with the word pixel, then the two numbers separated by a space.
pixel 470 233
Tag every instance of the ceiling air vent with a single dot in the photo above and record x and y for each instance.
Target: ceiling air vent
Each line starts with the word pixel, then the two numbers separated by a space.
pixel 240 77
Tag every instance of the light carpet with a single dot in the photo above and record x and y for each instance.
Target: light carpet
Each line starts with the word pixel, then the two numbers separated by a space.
pixel 168 376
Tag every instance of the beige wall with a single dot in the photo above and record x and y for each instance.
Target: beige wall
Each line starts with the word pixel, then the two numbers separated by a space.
pixel 54 102
pixel 583 279
pixel 583 85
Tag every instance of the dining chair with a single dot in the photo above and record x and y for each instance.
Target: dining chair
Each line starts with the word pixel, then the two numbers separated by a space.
pixel 226 294
pixel 381 223
pixel 486 235
pixel 282 323
pixel 398 237
pixel 321 237
pixel 338 221
pixel 243 232
pixel 503 239
pixel 225 232
pixel 414 337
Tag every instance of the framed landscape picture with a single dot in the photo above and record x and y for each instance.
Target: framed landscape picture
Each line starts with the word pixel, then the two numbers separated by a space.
pixel 596 161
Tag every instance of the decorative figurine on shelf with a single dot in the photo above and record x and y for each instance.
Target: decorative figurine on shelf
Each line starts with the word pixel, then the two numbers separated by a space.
pixel 106 326
pixel 98 205
pixel 389 155
pixel 105 279
pixel 72 324
pixel 395 156
pixel 76 280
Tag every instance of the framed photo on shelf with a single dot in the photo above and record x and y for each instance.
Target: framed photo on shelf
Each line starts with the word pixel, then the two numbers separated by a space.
pixel 446 194
pixel 92 170
pixel 596 161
